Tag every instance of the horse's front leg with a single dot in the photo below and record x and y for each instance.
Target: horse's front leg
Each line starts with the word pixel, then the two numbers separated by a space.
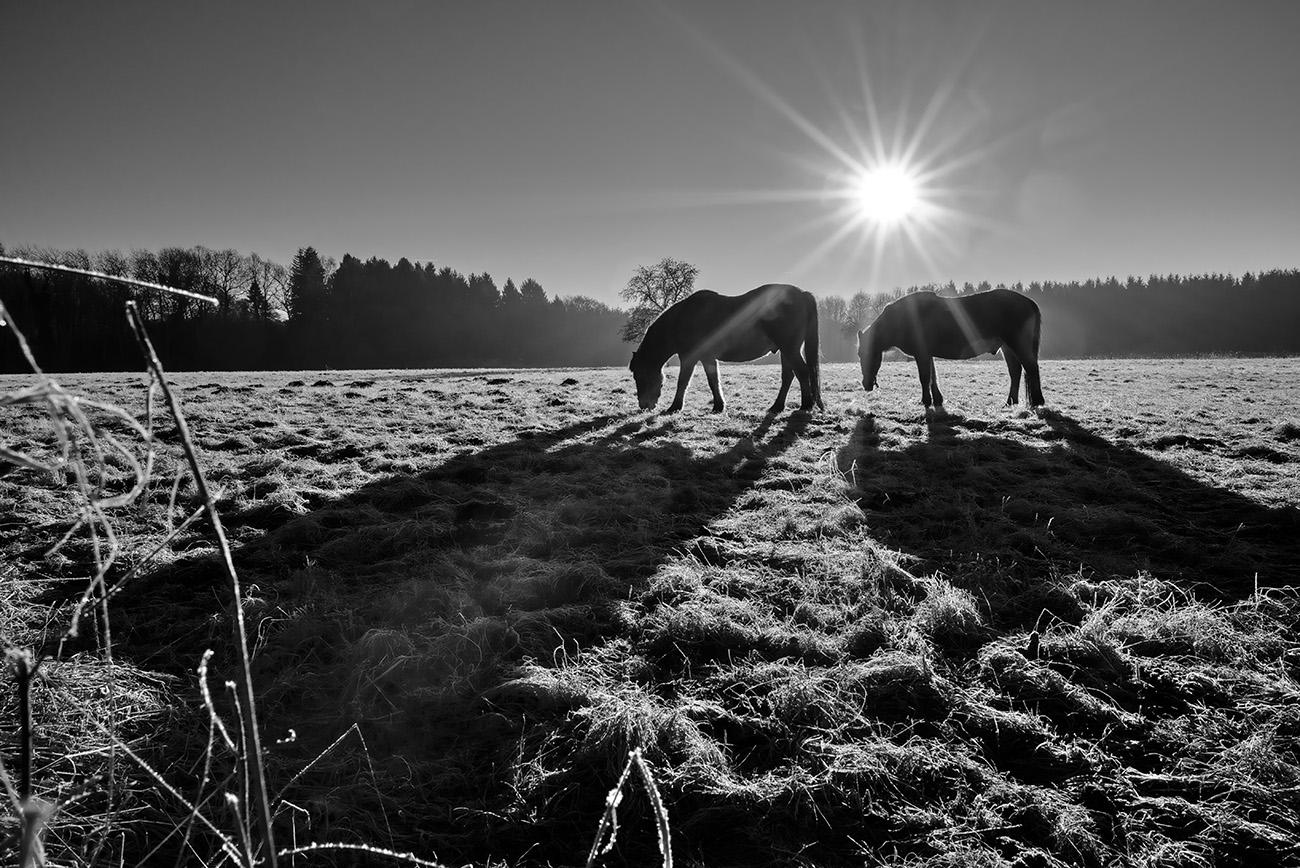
pixel 711 372
pixel 787 377
pixel 929 388
pixel 683 380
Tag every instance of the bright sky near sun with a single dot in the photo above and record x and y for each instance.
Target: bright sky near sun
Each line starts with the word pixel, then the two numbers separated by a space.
pixel 836 145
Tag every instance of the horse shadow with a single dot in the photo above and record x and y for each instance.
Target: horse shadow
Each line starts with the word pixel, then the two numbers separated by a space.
pixel 609 498
pixel 401 605
pixel 1002 514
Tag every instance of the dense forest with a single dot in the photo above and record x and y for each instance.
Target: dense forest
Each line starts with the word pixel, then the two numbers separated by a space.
pixel 317 313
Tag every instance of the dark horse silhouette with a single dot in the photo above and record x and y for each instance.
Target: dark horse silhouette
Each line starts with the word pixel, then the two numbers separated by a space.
pixel 926 327
pixel 707 327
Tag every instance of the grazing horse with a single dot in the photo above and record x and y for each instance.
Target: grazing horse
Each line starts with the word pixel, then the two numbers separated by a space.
pixel 707 327
pixel 927 326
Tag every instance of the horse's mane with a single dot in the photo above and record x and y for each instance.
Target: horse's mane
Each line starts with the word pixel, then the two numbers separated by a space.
pixel 658 332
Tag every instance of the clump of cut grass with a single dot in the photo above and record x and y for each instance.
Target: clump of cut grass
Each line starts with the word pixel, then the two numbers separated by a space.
pixel 867 634
pixel 1040 689
pixel 630 717
pixel 949 615
pixel 715 626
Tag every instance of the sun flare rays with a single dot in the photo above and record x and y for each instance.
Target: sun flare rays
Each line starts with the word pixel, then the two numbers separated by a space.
pixel 890 167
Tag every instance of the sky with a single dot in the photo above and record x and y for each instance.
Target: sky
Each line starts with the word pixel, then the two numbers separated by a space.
pixel 571 142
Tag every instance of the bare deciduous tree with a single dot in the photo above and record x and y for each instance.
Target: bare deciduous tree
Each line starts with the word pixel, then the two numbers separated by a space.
pixel 226 275
pixel 273 280
pixel 652 290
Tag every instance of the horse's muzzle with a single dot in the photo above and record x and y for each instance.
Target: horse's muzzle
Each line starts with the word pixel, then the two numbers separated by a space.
pixel 868 384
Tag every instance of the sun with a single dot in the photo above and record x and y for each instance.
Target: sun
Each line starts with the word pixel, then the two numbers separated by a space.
pixel 886 195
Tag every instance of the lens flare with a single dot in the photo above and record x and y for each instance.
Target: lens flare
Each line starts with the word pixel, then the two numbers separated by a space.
pixel 886 195
pixel 897 184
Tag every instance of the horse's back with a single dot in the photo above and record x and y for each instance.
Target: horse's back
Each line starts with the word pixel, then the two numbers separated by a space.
pixel 961 327
pixel 767 302
pixel 775 296
pixel 1001 308
pixel 743 327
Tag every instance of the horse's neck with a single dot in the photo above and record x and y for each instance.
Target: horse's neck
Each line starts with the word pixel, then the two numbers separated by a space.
pixel 657 345
pixel 886 330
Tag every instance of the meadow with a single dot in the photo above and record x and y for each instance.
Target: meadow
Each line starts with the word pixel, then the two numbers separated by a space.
pixel 987 636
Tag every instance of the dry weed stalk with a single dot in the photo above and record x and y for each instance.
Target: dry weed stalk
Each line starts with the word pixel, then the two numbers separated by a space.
pixel 252 753
pixel 609 820
pixel 72 428
pixel 83 451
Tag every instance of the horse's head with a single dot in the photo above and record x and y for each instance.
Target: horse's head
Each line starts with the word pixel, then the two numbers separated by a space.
pixel 869 355
pixel 649 381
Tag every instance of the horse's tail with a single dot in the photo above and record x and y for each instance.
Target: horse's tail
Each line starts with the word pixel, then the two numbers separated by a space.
pixel 812 354
pixel 1037 336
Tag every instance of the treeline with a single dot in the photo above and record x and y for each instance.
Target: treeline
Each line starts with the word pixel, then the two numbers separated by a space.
pixel 1167 315
pixel 317 313
pixel 313 314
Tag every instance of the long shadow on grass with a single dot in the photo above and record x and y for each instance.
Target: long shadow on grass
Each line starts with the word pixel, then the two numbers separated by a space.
pixel 401 605
pixel 986 508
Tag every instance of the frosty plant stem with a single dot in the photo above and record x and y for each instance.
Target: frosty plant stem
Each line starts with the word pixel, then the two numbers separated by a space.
pixel 247 706
pixel 609 821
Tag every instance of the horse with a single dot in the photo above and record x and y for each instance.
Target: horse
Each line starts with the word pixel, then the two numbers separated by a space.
pixel 927 326
pixel 707 327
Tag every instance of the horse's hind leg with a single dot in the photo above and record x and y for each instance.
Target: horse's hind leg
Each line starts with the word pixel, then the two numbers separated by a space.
pixel 1029 359
pixel 929 385
pixel 787 376
pixel 793 364
pixel 1013 368
pixel 1032 380
pixel 711 372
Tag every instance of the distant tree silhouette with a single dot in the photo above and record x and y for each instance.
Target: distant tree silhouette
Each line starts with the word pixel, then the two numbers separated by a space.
pixel 510 295
pixel 652 289
pixel 306 300
pixel 259 306
pixel 533 294
pixel 484 290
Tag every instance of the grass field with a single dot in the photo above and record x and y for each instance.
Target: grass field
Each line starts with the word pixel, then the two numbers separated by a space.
pixel 861 636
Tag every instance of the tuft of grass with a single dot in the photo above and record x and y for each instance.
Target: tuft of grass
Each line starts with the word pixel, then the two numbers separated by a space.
pixel 949 615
